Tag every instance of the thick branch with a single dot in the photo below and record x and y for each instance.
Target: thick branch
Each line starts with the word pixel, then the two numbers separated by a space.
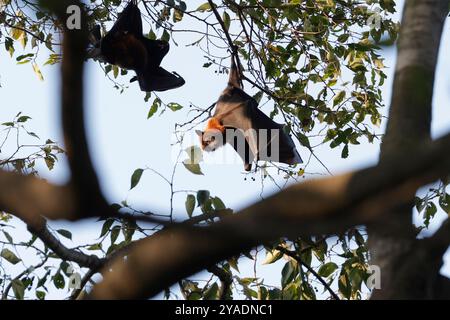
pixel 315 207
pixel 393 240
pixel 28 197
pixel 440 241
pixel 84 180
pixel 418 48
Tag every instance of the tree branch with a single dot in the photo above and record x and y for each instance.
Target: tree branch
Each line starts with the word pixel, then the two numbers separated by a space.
pixel 82 259
pixel 315 207
pixel 296 257
pixel 393 240
pixel 418 48
pixel 86 188
pixel 440 241
pixel 28 197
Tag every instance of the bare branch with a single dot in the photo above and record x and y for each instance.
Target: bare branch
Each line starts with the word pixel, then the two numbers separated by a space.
pixel 83 260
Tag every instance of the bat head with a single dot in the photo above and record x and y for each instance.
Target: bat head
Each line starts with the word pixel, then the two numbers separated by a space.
pixel 210 139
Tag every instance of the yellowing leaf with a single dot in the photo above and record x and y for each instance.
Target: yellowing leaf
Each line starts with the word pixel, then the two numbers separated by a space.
pixel 190 204
pixel 272 256
pixel 193 167
pixel 38 72
pixel 204 7
pixel 9 256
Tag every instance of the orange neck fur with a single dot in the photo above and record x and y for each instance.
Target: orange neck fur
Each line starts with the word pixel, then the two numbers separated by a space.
pixel 214 123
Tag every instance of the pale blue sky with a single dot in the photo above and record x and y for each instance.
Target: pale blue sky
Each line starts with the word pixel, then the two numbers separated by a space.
pixel 122 139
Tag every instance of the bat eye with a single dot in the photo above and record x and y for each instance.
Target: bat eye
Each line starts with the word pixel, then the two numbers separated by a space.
pixel 213 138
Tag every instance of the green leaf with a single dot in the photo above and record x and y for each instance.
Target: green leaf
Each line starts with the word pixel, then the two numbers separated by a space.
pixel 308 291
pixel 275 294
pixel 18 289
pixel 430 212
pixel 177 15
pixel 226 20
pixel 8 237
pixel 218 204
pixel 115 71
pixel 211 292
pixel 444 202
pixel 9 256
pixel 204 7
pixel 258 96
pixel 165 36
pixel 327 269
pixel 114 234
pixel 174 106
pixel 58 280
pixel 94 247
pixel 344 153
pixel 344 285
pixel 152 110
pixel 136 177
pixel 40 295
pixel 193 167
pixel 234 263
pixel 34 135
pixel 202 197
pixel 339 98
pixel 106 226
pixel 50 162
pixel 190 204
pixel 273 256
pixel 288 273
pixel 303 140
pixel 65 233
pixel 25 56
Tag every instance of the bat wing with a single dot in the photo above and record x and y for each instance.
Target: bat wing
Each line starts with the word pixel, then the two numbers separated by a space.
pixel 123 44
pixel 129 20
pixel 288 150
pixel 274 143
pixel 157 50
pixel 158 80
pixel 244 151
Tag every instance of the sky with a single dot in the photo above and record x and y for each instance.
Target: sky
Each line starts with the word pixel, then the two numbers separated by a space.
pixel 122 139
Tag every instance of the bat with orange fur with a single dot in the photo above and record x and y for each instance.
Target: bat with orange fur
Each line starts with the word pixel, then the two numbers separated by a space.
pixel 237 120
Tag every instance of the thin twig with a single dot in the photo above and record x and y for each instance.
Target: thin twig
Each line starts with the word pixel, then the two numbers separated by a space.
pixel 309 268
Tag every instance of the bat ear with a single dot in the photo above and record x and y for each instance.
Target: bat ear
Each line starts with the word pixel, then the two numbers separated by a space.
pixel 199 133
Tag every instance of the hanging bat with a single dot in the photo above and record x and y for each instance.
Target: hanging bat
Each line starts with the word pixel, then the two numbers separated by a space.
pixel 237 120
pixel 125 46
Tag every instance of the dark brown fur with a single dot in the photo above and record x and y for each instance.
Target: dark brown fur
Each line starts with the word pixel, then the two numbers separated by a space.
pixel 125 45
pixel 238 111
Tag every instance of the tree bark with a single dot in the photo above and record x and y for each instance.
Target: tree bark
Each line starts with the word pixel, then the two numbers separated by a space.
pixel 408 270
